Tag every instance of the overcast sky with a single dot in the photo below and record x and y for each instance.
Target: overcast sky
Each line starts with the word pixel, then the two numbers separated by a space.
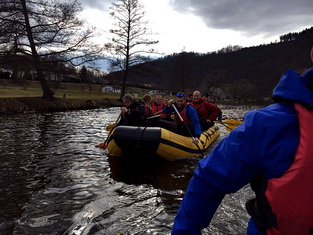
pixel 209 25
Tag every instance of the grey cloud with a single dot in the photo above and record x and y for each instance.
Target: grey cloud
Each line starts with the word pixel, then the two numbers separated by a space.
pixel 251 17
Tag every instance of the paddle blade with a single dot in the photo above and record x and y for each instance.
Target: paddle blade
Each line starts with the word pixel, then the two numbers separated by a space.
pixel 110 127
pixel 230 127
pixel 230 124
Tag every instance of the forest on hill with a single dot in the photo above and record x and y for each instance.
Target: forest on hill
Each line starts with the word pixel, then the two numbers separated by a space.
pixel 238 73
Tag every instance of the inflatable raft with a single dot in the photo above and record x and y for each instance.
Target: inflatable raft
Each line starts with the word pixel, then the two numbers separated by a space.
pixel 129 140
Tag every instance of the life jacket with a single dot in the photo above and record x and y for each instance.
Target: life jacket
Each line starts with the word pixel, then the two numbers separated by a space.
pixel 156 107
pixel 184 116
pixel 148 111
pixel 284 205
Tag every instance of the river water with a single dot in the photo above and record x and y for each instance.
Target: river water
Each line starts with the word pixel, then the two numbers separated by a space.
pixel 54 180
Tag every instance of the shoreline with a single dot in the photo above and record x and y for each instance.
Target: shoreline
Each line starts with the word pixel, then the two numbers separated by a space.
pixel 40 105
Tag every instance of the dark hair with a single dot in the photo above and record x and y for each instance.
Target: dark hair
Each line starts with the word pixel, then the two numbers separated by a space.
pixel 206 95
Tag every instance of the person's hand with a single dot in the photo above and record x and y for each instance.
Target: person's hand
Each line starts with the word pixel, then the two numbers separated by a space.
pixel 208 121
pixel 195 140
pixel 124 110
pixel 170 103
pixel 163 115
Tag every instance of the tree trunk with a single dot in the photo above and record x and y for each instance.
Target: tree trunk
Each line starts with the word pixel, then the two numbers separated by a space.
pixel 125 72
pixel 47 92
pixel 124 84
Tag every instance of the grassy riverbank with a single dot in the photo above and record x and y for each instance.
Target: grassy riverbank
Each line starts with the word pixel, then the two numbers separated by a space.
pixel 15 98
pixel 38 104
pixel 26 97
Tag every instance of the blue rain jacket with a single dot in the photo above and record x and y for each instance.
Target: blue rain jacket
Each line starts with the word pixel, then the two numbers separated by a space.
pixel 264 144
pixel 191 113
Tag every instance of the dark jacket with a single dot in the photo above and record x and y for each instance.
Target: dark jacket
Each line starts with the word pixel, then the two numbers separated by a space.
pixel 136 115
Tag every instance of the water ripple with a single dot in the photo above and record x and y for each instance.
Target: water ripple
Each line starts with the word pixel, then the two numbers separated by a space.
pixel 55 181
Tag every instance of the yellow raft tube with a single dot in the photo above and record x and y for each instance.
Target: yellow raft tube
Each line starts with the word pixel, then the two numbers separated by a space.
pixel 129 140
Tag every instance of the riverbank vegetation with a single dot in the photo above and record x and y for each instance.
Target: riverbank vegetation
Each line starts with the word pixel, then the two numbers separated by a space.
pixel 26 96
pixel 17 99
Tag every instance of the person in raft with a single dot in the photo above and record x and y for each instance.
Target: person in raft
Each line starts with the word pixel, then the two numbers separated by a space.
pixel 190 124
pixel 157 105
pixel 133 112
pixel 207 111
pixel 147 99
pixel 272 150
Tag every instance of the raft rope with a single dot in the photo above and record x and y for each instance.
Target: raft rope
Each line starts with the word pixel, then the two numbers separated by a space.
pixel 144 129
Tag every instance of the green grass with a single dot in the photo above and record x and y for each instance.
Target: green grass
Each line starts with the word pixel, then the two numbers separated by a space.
pixel 17 89
pixel 13 92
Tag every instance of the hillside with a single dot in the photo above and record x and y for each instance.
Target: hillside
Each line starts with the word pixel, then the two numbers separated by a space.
pixel 248 73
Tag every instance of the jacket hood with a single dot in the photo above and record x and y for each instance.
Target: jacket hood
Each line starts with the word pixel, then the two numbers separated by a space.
pixel 294 87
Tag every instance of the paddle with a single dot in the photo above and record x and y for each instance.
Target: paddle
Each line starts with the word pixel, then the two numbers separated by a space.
pixel 154 116
pixel 180 117
pixel 229 124
pixel 109 128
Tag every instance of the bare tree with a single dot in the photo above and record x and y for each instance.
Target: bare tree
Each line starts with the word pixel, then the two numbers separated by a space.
pixel 128 46
pixel 48 31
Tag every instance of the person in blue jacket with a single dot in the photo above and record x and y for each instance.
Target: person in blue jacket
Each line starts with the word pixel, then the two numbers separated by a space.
pixel 186 118
pixel 264 146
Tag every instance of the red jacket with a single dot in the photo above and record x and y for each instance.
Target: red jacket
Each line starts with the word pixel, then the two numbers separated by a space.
pixel 206 110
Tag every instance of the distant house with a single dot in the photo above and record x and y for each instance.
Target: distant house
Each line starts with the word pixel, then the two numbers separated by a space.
pixel 110 89
pixel 154 92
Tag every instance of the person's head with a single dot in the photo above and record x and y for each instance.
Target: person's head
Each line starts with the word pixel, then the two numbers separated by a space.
pixel 147 99
pixel 189 97
pixel 180 99
pixel 205 96
pixel 127 100
pixel 165 100
pixel 158 99
pixel 196 96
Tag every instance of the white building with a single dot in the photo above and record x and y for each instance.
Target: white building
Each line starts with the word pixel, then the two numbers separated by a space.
pixel 110 89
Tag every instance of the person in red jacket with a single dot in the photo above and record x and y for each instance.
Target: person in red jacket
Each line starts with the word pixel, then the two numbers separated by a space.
pixel 207 111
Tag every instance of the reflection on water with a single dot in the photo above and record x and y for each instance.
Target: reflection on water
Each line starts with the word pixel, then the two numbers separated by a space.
pixel 55 181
